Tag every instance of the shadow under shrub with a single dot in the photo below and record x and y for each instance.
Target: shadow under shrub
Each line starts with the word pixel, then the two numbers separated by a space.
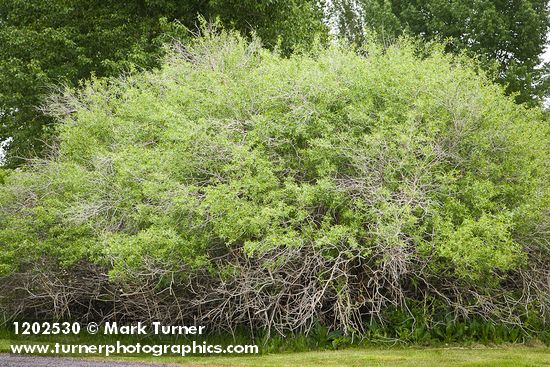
pixel 236 188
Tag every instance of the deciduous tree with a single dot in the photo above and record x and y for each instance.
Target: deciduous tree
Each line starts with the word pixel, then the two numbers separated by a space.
pixel 510 33
pixel 46 43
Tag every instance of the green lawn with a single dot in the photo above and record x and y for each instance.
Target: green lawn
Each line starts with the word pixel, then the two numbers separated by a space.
pixel 509 356
pixel 366 357
pixel 479 356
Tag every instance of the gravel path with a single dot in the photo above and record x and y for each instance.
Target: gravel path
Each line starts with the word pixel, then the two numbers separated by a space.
pixel 8 360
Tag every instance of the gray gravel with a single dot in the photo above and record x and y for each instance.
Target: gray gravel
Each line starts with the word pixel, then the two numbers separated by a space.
pixel 9 360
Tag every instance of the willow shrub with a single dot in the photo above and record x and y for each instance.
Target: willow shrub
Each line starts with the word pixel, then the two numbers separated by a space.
pixel 383 179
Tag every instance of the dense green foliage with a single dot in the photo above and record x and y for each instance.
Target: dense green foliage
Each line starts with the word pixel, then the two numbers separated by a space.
pixel 45 43
pixel 281 192
pixel 512 33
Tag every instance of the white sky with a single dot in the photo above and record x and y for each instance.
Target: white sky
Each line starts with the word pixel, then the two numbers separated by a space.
pixel 546 54
pixel 546 58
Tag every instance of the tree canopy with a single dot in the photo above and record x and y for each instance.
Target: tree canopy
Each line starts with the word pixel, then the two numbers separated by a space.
pixel 280 192
pixel 47 43
pixel 512 33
